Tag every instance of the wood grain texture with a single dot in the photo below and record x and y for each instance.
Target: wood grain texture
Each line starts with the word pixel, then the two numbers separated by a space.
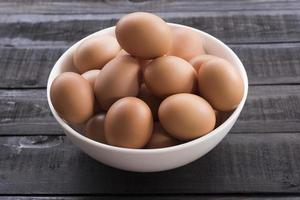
pixel 154 197
pixel 230 27
pixel 26 112
pixel 251 163
pixel 29 67
pixel 92 6
pixel 26 67
pixel 268 109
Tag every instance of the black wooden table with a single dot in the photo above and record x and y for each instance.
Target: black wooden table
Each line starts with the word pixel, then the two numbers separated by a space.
pixel 260 158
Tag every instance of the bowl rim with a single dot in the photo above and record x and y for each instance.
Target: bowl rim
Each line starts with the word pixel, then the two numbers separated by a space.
pixel 184 145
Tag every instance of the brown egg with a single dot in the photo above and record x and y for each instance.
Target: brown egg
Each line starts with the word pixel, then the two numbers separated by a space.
pixel 197 61
pixel 72 97
pixel 95 52
pixel 95 128
pixel 220 84
pixel 143 63
pixel 186 116
pixel 119 78
pixel 91 76
pixel 186 44
pixel 144 35
pixel 128 123
pixel 169 75
pixel 150 100
pixel 160 138
pixel 221 117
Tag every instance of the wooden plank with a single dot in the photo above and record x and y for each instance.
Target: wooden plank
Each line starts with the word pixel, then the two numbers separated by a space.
pixel 29 67
pixel 151 197
pixel 92 6
pixel 231 27
pixel 268 109
pixel 26 112
pixel 251 163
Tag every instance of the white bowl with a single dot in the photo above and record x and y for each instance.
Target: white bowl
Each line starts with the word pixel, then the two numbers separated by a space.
pixel 151 160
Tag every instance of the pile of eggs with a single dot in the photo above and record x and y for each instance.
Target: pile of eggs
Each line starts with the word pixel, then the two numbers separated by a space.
pixel 149 86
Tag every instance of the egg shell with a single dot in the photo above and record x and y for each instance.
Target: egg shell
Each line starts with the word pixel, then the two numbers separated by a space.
pixel 91 76
pixel 150 100
pixel 80 128
pixel 186 116
pixel 186 43
pixel 72 97
pixel 160 138
pixel 197 61
pixel 119 78
pixel 95 52
pixel 122 52
pixel 220 84
pixel 143 63
pixel 169 75
pixel 128 123
pixel 95 128
pixel 143 35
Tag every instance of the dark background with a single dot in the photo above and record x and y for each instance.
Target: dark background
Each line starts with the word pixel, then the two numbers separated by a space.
pixel 260 158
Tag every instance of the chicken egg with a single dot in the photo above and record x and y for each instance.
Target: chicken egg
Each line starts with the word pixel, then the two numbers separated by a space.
pixel 220 84
pixel 186 44
pixel 143 63
pixel 95 52
pixel 160 138
pixel 186 116
pixel 150 100
pixel 95 128
pixel 197 61
pixel 169 75
pixel 119 78
pixel 72 97
pixel 91 76
pixel 144 35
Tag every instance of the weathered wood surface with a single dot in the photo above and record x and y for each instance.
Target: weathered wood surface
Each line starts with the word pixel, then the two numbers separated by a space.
pixel 231 27
pixel 121 6
pixel 241 163
pixel 29 67
pixel 268 109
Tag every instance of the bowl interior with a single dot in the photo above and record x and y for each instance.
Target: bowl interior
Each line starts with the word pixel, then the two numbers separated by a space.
pixel 212 46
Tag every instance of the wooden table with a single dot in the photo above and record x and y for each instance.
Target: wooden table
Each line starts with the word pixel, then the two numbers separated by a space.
pixel 260 158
